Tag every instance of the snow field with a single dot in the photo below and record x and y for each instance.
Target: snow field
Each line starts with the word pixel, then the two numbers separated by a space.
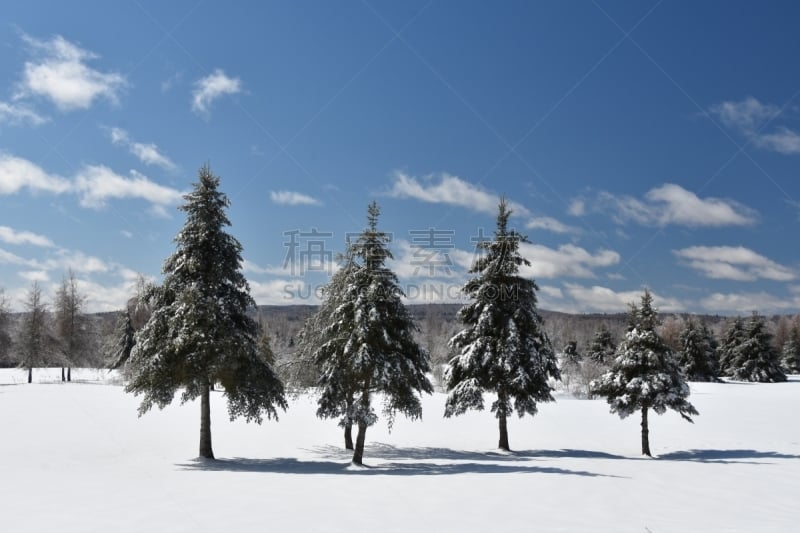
pixel 75 457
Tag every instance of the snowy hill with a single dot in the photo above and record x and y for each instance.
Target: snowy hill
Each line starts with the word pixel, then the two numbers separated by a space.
pixel 76 458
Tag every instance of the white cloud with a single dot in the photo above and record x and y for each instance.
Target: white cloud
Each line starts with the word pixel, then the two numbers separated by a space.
pixel 783 140
pixel 292 198
pixel 577 207
pixel 12 236
pixel 35 275
pixel 147 153
pixel 750 116
pixel 671 204
pixel 568 260
pixel 8 258
pixel 747 115
pixel 96 184
pixel 59 72
pixel 17 173
pixel 550 224
pixel 284 292
pixel 19 114
pixel 746 302
pixel 605 300
pixel 211 87
pixel 733 263
pixel 450 190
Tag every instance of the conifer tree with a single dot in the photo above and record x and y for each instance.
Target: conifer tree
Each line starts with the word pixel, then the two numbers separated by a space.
pixel 754 358
pixel 601 350
pixel 732 338
pixel 697 354
pixel 323 344
pixel 790 354
pixel 571 355
pixel 645 374
pixel 369 344
pixel 199 332
pixel 503 347
pixel 125 337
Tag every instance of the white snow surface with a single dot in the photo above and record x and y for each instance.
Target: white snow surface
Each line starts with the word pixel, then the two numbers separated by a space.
pixel 75 457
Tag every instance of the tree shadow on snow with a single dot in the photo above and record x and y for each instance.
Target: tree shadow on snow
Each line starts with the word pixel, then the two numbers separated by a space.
pixel 387 451
pixel 726 456
pixel 337 465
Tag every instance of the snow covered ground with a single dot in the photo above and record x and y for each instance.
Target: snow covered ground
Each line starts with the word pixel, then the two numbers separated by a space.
pixel 76 458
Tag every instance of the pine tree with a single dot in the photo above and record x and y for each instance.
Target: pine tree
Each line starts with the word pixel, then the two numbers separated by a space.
pixel 754 358
pixel 732 338
pixel 36 344
pixel 322 344
pixel 601 350
pixel 645 374
pixel 571 355
pixel 697 354
pixel 503 346
pixel 72 326
pixel 368 342
pixel 199 332
pixel 790 354
pixel 125 337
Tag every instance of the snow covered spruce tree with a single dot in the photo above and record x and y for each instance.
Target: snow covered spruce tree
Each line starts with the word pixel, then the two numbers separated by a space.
pixel 645 374
pixel 754 358
pixel 790 352
pixel 199 332
pixel 368 344
pixel 602 347
pixel 503 347
pixel 732 338
pixel 698 357
pixel 322 343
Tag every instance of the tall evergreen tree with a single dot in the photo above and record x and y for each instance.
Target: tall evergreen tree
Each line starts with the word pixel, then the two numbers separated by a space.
pixel 199 332
pixel 503 346
pixel 601 349
pixel 645 374
pixel 571 355
pixel 72 326
pixel 369 344
pixel 790 354
pixel 732 338
pixel 322 343
pixel 124 340
pixel 754 358
pixel 36 344
pixel 698 357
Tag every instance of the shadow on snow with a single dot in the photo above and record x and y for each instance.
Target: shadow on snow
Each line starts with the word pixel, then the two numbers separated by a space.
pixel 725 456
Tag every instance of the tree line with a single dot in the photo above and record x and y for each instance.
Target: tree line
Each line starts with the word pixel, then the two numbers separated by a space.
pixel 196 331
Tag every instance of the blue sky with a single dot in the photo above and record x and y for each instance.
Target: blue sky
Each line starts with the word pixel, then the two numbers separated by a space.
pixel 641 144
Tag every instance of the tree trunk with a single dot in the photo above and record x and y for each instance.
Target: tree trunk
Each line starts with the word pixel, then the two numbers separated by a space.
pixel 645 434
pixel 348 425
pixel 348 435
pixel 205 422
pixel 358 454
pixel 69 373
pixel 503 445
pixel 30 374
pixel 63 376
